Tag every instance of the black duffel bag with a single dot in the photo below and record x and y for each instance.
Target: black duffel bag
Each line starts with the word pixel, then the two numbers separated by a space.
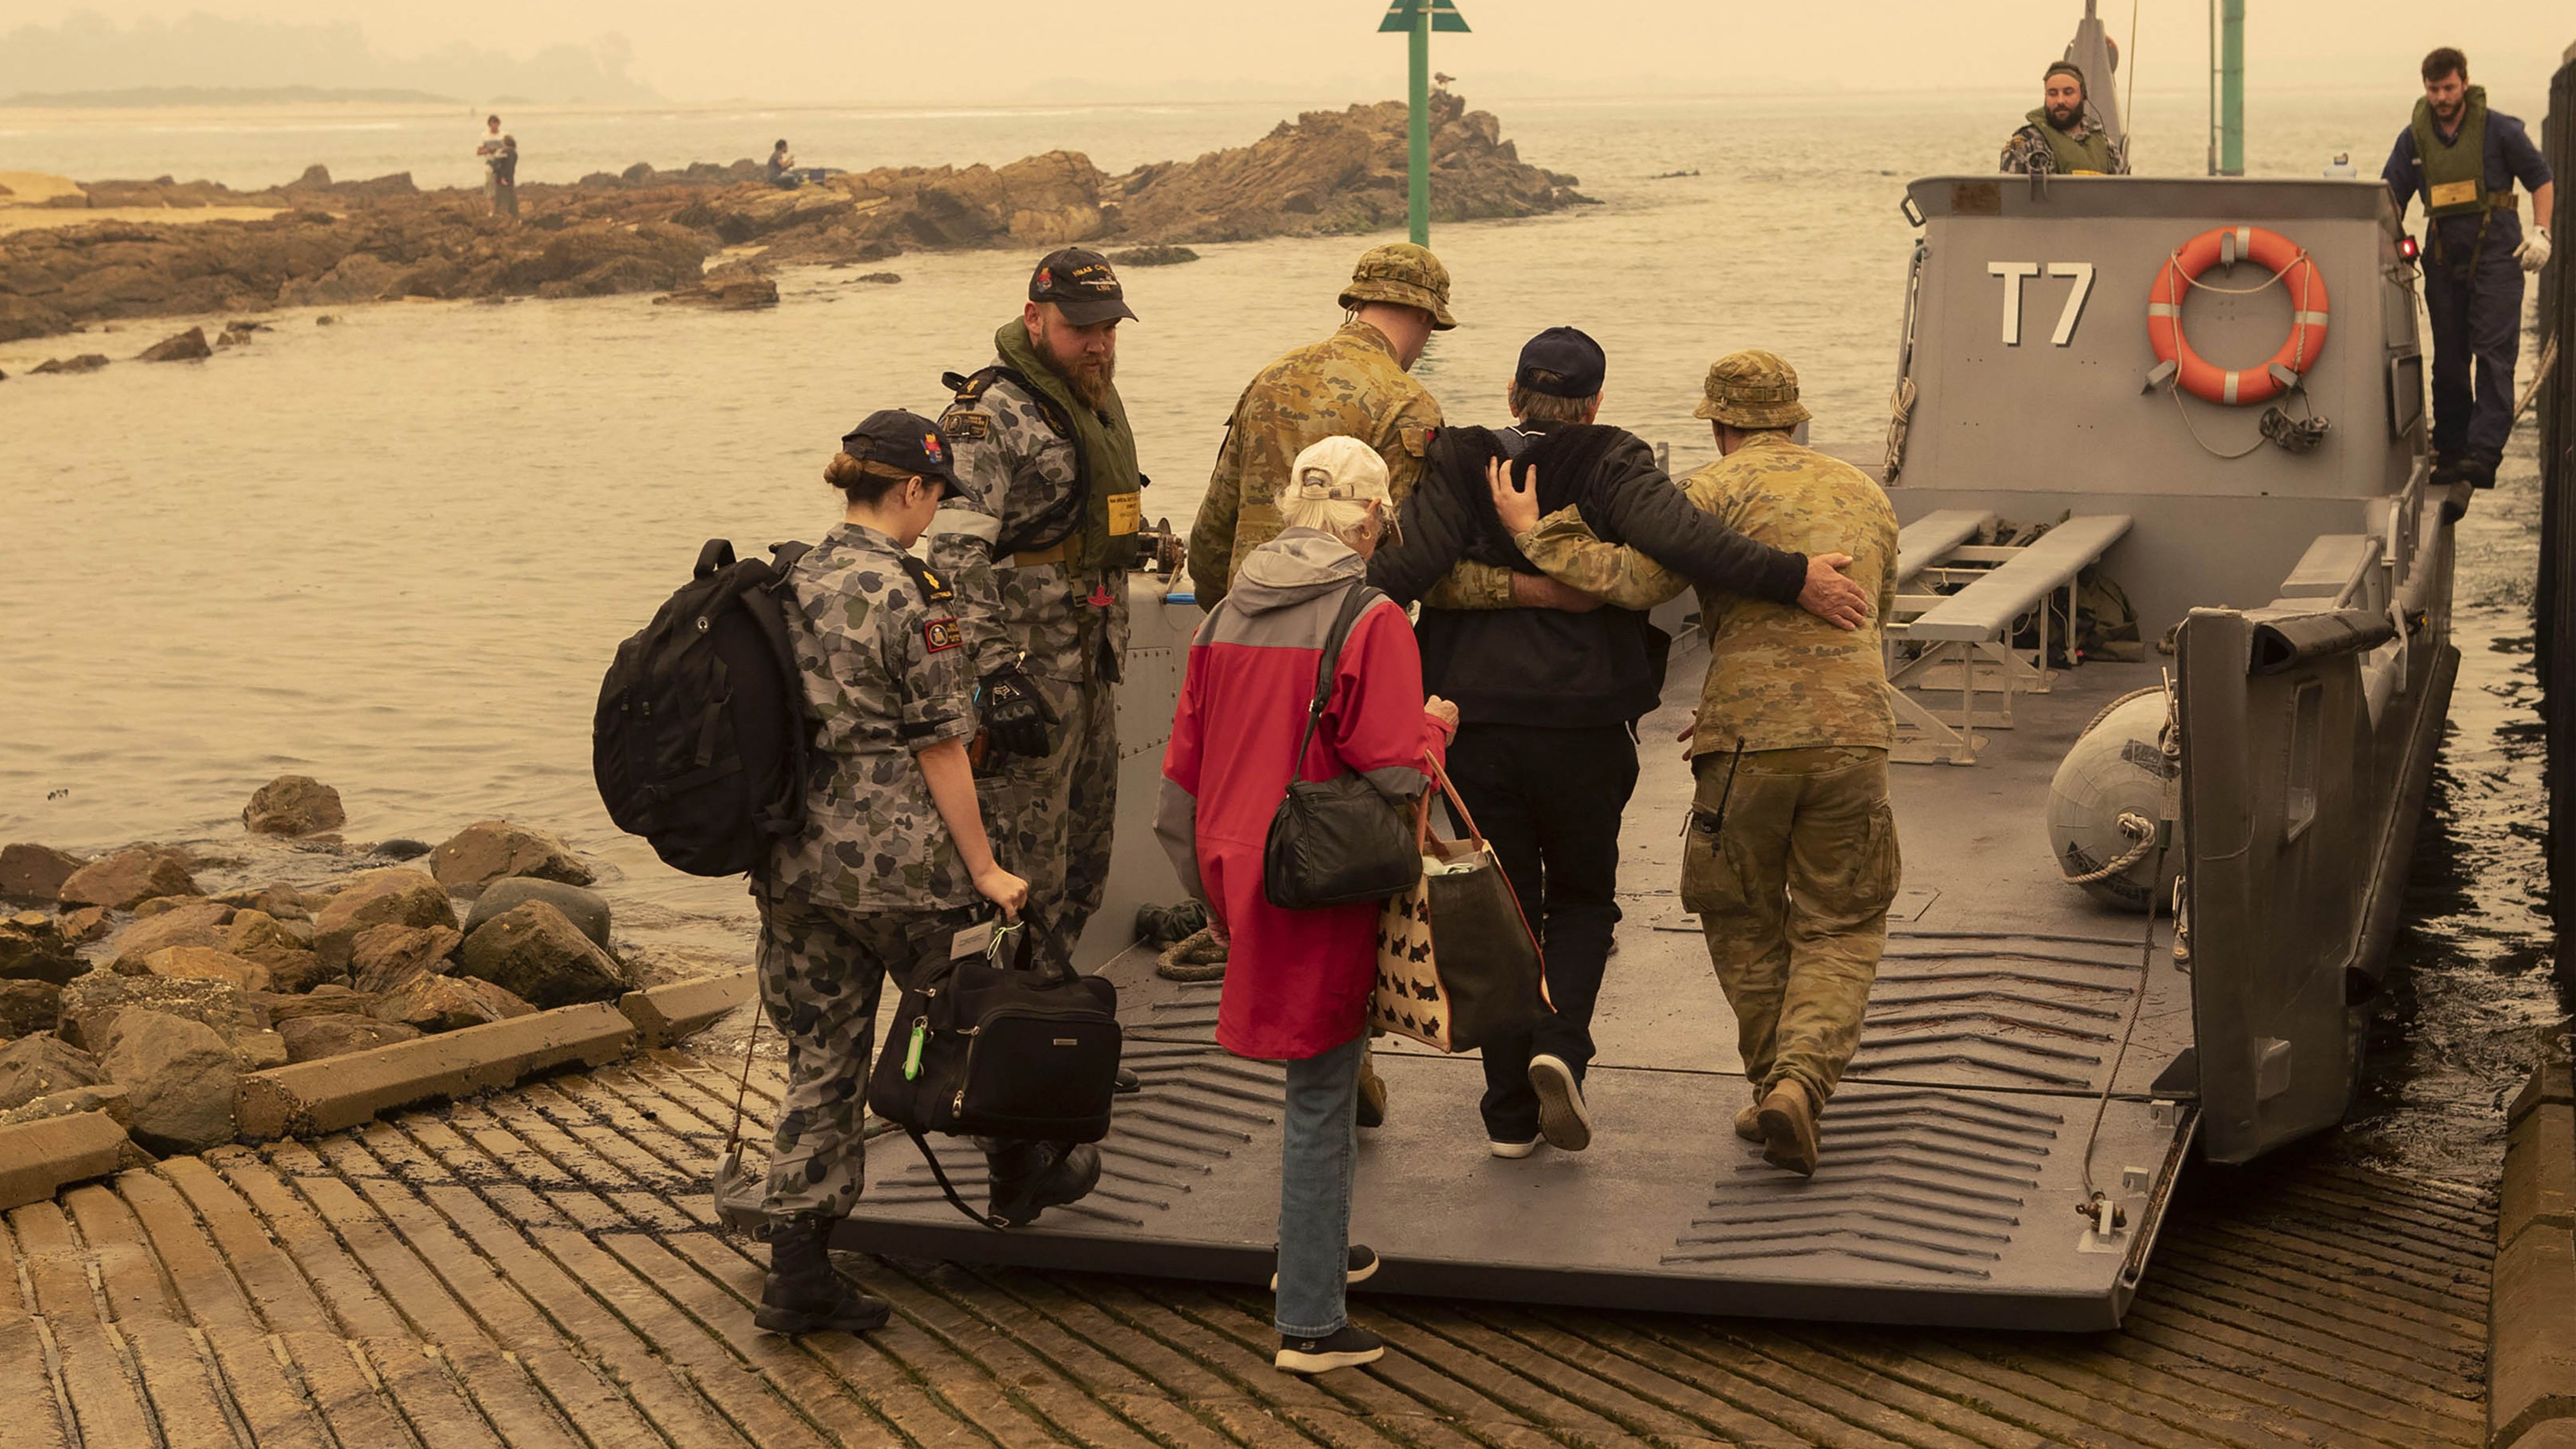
pixel 979 1049
pixel 1335 842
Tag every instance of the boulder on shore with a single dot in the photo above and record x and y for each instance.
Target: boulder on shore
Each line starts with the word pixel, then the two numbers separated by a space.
pixel 34 948
pixel 188 346
pixel 86 362
pixel 89 923
pixel 204 963
pixel 41 1065
pixel 28 1007
pixel 106 1097
pixel 336 1033
pixel 329 997
pixel 448 1003
pixel 491 850
pixel 293 805
pixel 197 922
pixel 92 1003
pixel 33 875
pixel 536 953
pixel 384 957
pixel 128 878
pixel 292 966
pixel 393 895
pixel 587 909
pixel 181 1078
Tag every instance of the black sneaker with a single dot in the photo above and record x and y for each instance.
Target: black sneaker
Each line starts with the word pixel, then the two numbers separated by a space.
pixel 1363 1266
pixel 1561 1117
pixel 1346 1347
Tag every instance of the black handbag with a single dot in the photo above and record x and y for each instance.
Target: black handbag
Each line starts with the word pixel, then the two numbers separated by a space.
pixel 1335 842
pixel 983 1050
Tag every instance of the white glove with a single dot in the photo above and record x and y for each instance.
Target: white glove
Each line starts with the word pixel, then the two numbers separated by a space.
pixel 2534 251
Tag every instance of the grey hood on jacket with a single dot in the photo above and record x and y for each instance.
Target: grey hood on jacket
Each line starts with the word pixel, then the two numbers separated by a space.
pixel 1290 569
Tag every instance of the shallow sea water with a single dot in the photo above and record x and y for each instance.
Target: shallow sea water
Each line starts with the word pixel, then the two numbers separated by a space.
pixel 396 553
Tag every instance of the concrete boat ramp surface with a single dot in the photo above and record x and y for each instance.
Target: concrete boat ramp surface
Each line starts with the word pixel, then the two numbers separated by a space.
pixel 541 1267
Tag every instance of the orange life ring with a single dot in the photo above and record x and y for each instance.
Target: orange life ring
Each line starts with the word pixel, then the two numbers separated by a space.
pixel 2286 260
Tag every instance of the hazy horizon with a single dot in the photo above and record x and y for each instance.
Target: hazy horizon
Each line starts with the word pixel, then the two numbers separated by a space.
pixel 802 53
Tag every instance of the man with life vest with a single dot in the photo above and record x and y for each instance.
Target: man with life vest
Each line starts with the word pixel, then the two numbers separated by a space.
pixel 2064 137
pixel 2463 159
pixel 1037 550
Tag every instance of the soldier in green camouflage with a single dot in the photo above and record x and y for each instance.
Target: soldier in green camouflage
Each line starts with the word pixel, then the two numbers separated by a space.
pixel 1038 548
pixel 1355 383
pixel 891 865
pixel 1791 861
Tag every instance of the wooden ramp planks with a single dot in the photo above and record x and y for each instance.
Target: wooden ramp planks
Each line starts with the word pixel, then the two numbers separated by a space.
pixel 540 1267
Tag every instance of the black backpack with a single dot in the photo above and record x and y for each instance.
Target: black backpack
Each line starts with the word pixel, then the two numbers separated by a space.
pixel 702 734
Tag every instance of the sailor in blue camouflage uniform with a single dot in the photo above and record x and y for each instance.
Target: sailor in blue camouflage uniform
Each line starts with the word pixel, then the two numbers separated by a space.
pixel 1037 548
pixel 891 866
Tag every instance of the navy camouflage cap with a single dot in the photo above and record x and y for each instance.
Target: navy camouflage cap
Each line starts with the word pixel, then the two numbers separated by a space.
pixel 904 440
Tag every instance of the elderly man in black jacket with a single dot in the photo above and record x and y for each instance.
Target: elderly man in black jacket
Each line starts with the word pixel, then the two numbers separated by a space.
pixel 1549 697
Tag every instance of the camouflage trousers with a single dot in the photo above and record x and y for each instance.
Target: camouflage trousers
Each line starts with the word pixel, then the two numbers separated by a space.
pixel 821 972
pixel 1051 817
pixel 1792 891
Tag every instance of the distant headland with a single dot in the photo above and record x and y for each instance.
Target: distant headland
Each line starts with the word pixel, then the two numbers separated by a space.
pixel 332 242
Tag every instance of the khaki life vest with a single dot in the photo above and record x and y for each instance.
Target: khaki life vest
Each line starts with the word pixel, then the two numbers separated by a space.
pixel 2455 171
pixel 1100 519
pixel 2088 157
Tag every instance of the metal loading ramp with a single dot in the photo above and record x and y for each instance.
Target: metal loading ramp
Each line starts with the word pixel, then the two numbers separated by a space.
pixel 1955 1153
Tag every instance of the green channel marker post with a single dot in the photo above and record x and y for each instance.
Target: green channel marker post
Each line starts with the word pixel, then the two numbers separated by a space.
pixel 1417 19
pixel 2227 77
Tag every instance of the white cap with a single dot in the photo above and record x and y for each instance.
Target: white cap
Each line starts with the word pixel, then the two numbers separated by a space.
pixel 1339 468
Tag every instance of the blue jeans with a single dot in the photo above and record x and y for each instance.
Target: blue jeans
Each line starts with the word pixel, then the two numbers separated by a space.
pixel 1319 1142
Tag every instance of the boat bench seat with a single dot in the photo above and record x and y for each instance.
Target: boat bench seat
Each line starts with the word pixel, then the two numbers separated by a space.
pixel 1971 632
pixel 1926 539
pixel 1987 607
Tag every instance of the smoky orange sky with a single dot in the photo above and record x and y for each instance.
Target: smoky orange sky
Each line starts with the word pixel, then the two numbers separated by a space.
pixel 1002 51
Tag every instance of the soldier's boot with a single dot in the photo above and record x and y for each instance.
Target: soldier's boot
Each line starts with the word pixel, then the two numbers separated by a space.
pixel 803 1293
pixel 1372 1109
pixel 1748 1123
pixel 1788 1119
pixel 2479 467
pixel 2445 470
pixel 1030 1177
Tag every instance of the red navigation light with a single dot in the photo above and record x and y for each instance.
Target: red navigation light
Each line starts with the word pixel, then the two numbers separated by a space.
pixel 2407 248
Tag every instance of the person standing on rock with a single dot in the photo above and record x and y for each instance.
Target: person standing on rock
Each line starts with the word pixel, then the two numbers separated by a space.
pixel 884 670
pixel 1038 546
pixel 500 155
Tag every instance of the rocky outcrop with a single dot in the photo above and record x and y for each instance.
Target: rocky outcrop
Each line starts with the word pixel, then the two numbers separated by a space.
pixel 383 957
pixel 330 996
pixel 394 895
pixel 34 948
pixel 292 965
pixel 91 1004
pixel 131 876
pixel 448 1003
pixel 194 923
pixel 85 362
pixel 41 1065
pixel 293 805
pixel 187 346
pixel 106 1097
pixel 584 908
pixel 491 850
pixel 738 293
pixel 331 1034
pixel 535 953
pixel 180 1077
pixel 33 875
pixel 1326 173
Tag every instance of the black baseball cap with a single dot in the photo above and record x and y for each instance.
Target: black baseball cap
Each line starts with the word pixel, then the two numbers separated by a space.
pixel 1561 362
pixel 904 440
pixel 1081 285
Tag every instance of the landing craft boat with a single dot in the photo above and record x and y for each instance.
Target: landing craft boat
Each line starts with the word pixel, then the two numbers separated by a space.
pixel 2040 1057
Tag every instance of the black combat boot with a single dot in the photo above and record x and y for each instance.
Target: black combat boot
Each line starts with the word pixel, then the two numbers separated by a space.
pixel 2479 468
pixel 804 1294
pixel 1030 1177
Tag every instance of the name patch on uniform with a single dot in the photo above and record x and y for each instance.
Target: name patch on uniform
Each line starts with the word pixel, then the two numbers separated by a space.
pixel 941 634
pixel 968 425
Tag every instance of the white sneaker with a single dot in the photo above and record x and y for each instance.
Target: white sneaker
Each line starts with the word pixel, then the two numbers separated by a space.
pixel 1512 1149
pixel 1561 1117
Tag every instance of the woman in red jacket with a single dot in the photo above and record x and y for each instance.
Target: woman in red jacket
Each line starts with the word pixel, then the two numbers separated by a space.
pixel 1297 983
